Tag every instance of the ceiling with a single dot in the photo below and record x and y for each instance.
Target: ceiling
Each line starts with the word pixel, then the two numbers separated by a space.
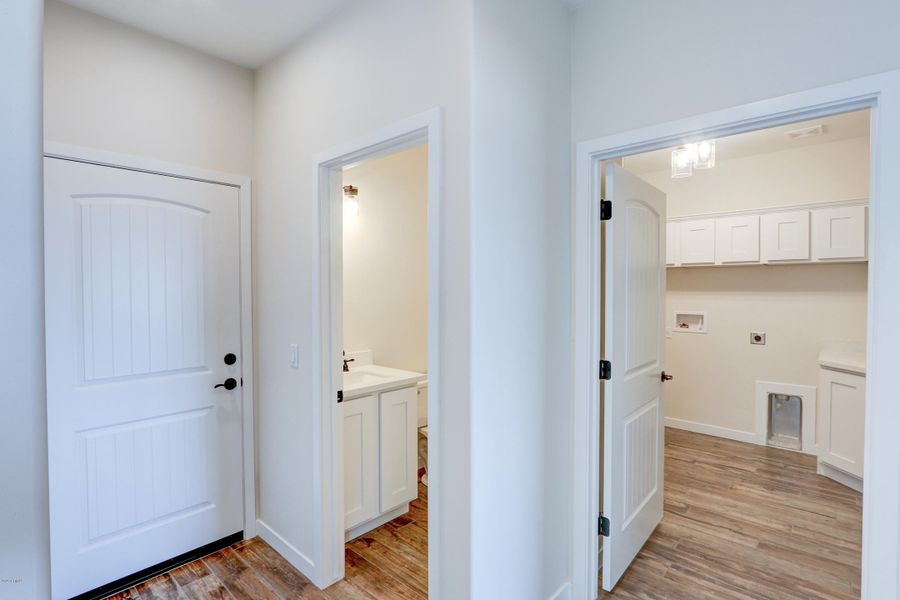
pixel 246 32
pixel 837 127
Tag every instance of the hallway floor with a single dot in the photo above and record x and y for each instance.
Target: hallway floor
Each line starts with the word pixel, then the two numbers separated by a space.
pixel 742 522
pixel 388 562
pixel 747 522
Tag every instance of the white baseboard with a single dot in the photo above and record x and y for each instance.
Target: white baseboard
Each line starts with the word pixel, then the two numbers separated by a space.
pixel 722 432
pixel 851 481
pixel 290 553
pixel 563 593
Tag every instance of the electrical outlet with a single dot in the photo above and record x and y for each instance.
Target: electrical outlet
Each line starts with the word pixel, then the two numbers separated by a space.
pixel 295 356
pixel 758 338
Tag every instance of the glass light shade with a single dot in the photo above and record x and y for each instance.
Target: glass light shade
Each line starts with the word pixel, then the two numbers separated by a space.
pixel 682 162
pixel 351 207
pixel 705 155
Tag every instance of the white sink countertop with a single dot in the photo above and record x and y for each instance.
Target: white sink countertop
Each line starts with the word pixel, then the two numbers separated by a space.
pixel 366 379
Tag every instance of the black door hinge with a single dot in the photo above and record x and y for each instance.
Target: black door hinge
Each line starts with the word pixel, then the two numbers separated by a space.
pixel 603 526
pixel 605 210
pixel 605 370
pixel 340 396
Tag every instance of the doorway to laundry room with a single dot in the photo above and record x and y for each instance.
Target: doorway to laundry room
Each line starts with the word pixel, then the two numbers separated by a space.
pixel 738 406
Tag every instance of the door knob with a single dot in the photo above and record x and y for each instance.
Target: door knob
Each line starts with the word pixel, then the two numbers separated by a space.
pixel 665 377
pixel 230 359
pixel 228 384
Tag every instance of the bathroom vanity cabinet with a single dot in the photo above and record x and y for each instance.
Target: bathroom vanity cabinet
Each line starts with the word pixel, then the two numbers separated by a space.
pixel 380 457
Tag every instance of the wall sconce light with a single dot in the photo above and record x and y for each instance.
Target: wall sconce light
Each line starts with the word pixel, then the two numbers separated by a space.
pixel 351 201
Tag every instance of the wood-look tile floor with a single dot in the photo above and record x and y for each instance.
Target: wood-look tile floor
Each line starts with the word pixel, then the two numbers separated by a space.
pixel 388 562
pixel 742 522
pixel 747 522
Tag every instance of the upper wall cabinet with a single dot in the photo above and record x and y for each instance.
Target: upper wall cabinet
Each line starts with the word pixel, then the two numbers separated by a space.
pixel 832 232
pixel 672 244
pixel 697 242
pixel 737 239
pixel 839 233
pixel 785 236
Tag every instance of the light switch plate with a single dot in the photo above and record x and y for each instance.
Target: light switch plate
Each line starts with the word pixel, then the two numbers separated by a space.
pixel 758 338
pixel 295 356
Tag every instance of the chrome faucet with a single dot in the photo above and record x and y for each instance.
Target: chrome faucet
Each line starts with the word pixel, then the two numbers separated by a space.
pixel 347 361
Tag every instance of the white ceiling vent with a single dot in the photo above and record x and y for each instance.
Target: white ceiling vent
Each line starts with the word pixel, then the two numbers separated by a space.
pixel 805 132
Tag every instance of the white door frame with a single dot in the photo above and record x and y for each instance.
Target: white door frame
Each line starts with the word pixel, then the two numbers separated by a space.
pixel 881 500
pixel 242 182
pixel 328 443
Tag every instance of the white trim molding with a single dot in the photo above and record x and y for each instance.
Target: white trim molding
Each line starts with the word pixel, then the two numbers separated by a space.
pixel 328 510
pixel 242 182
pixel 881 501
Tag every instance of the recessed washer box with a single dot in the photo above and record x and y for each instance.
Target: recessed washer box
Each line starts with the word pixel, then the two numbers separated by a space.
pixel 689 321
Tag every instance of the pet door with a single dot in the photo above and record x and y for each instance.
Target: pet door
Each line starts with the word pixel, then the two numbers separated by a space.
pixel 784 421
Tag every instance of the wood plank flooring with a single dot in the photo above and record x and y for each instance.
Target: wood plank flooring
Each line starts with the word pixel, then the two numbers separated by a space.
pixel 742 522
pixel 388 562
pixel 747 522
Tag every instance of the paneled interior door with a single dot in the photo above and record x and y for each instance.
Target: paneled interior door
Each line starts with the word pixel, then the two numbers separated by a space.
pixel 634 289
pixel 142 305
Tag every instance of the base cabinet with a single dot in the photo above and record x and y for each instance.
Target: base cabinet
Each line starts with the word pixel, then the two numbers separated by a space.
pixel 360 460
pixel 842 400
pixel 380 457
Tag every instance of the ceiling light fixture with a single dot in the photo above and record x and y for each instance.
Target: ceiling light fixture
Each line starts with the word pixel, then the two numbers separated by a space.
pixel 688 157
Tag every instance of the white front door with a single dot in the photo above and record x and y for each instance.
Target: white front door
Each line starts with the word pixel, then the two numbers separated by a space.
pixel 634 289
pixel 142 307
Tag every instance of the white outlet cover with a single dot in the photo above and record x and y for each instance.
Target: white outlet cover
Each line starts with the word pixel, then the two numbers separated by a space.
pixel 758 334
pixel 295 356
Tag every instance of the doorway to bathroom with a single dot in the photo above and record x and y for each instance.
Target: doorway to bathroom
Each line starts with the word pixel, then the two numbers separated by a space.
pixel 625 313
pixel 758 347
pixel 380 479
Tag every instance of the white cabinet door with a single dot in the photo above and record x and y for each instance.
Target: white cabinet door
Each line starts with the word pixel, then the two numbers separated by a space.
pixel 842 400
pixel 737 239
pixel 785 236
pixel 697 242
pixel 399 465
pixel 839 233
pixel 672 244
pixel 142 304
pixel 360 460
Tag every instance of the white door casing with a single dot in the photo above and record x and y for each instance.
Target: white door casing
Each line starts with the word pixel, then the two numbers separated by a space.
pixel 634 292
pixel 143 301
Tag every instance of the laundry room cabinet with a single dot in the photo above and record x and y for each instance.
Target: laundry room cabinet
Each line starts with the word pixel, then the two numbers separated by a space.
pixel 830 232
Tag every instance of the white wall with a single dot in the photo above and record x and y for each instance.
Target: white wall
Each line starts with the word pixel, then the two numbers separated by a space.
pixel 374 63
pixel 820 173
pixel 521 401
pixel 24 550
pixel 799 307
pixel 386 260
pixel 639 63
pixel 115 88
